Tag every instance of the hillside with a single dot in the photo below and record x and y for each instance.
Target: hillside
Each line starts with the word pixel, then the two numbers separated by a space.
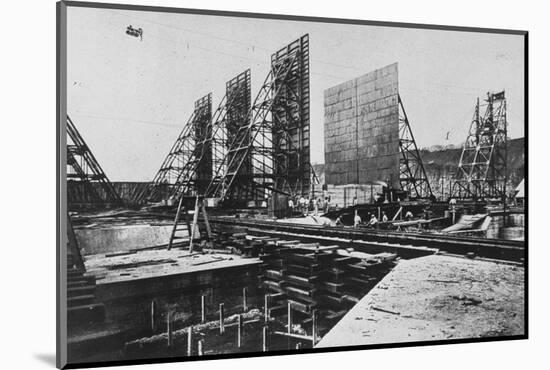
pixel 441 164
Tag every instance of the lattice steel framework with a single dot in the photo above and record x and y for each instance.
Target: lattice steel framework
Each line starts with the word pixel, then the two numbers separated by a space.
pixel 238 91
pixel 482 168
pixel 83 167
pixel 290 130
pixel 168 181
pixel 210 147
pixel 412 175
pixel 269 149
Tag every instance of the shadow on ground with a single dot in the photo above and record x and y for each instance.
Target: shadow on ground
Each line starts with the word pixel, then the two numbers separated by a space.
pixel 47 358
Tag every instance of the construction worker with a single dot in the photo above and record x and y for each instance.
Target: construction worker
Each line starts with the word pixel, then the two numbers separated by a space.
pixel 291 206
pixel 302 202
pixel 373 221
pixel 356 220
pixel 408 216
pixel 384 217
pixel 316 208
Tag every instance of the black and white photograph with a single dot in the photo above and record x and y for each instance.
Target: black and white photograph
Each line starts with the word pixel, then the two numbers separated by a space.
pixel 237 184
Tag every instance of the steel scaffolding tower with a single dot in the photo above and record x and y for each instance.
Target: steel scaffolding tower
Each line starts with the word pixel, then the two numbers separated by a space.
pixel 268 149
pixel 412 176
pixel 210 140
pixel 482 168
pixel 290 130
pixel 167 182
pixel 237 105
pixel 84 168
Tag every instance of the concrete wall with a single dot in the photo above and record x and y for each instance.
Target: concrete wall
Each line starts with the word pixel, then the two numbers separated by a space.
pixel 441 163
pixel 342 195
pixel 129 302
pixel 78 194
pixel 362 129
pixel 513 230
pixel 122 238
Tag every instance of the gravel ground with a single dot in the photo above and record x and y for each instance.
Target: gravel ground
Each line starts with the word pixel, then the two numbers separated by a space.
pixel 434 298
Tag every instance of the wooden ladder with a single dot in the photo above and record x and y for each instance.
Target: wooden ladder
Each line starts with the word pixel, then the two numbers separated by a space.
pixel 190 228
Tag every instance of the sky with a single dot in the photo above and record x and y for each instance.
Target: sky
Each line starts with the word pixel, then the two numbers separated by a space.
pixel 130 99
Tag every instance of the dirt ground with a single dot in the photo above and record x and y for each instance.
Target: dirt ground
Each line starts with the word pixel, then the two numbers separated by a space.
pixel 434 298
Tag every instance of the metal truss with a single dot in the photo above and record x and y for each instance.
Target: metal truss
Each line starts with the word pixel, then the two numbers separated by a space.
pixel 412 176
pixel 83 167
pixel 210 139
pixel 482 168
pixel 268 150
pixel 168 180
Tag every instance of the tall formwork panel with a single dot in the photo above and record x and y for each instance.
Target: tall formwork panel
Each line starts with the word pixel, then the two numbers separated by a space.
pixel 168 181
pixel 206 145
pixel 362 129
pixel 238 92
pixel 291 127
pixel 203 129
pixel 368 137
pixel 269 148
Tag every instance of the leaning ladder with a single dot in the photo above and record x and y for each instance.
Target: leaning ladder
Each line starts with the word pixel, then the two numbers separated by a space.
pixel 190 228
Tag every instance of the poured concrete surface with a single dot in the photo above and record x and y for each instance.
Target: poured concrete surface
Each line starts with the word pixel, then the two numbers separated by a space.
pixel 435 298
pixel 157 263
pixel 121 238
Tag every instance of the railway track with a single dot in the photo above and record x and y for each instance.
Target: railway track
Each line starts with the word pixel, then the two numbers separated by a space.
pixel 506 250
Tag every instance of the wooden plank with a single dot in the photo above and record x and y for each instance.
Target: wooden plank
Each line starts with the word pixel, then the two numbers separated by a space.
pixel 307 282
pixel 304 307
pixel 292 335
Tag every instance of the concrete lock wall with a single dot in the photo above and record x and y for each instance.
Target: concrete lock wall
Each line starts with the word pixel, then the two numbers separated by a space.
pixel 342 195
pixel 514 229
pixel 123 238
pixel 362 129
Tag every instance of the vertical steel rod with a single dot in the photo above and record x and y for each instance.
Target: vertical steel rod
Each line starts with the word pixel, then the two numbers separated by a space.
pixel 245 307
pixel 289 317
pixel 313 327
pixel 239 330
pixel 266 308
pixel 153 314
pixel 199 349
pixel 264 338
pixel 222 328
pixel 203 309
pixel 169 328
pixel 190 341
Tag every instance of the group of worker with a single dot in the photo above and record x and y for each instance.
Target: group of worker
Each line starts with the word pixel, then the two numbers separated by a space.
pixel 305 205
pixel 372 219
